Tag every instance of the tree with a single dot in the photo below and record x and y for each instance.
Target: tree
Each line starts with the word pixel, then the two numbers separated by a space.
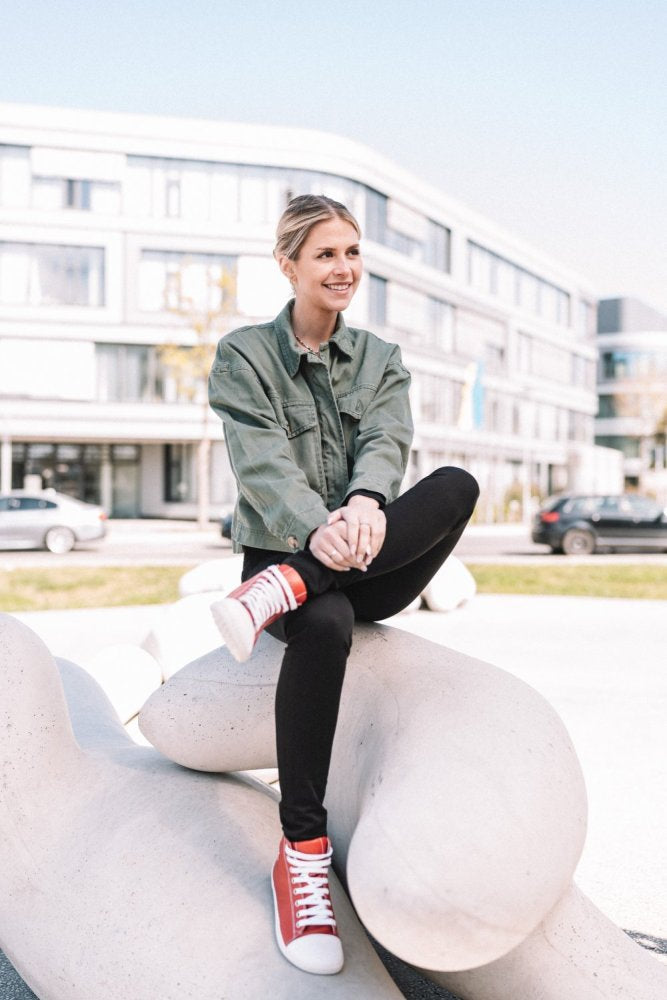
pixel 189 365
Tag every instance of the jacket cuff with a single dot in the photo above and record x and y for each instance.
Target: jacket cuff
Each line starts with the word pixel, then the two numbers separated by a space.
pixel 302 526
pixel 381 499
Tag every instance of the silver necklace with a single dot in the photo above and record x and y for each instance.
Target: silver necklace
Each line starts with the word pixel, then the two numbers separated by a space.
pixel 309 349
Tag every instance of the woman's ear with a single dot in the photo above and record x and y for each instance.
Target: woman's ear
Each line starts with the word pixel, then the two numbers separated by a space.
pixel 287 267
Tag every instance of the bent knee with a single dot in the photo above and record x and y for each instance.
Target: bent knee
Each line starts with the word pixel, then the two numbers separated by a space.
pixel 329 616
pixel 460 483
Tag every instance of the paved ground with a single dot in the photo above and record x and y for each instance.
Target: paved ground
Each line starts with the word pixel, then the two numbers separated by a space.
pixel 160 542
pixel 601 663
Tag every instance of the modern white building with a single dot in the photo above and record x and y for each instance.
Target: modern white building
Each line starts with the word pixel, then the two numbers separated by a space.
pixel 632 386
pixel 106 219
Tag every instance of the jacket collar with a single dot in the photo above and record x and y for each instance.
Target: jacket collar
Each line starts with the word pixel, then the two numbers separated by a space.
pixel 289 348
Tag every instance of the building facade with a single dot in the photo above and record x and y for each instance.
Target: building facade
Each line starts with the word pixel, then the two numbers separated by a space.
pixel 110 223
pixel 632 387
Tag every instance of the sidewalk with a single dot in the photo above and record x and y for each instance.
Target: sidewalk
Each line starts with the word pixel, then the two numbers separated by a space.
pixel 599 662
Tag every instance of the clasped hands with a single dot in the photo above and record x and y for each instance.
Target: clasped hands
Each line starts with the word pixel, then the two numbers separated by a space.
pixel 351 537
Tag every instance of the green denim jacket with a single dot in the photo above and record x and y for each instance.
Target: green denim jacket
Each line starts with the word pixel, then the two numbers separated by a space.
pixel 304 431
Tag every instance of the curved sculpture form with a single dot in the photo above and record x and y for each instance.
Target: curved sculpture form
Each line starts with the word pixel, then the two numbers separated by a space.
pixel 456 801
pixel 123 875
pixel 576 952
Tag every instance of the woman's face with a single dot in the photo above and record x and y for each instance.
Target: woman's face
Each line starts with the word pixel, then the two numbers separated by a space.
pixel 329 268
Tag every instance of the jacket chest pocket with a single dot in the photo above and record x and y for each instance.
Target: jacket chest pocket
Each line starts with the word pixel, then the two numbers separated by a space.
pixel 352 406
pixel 301 426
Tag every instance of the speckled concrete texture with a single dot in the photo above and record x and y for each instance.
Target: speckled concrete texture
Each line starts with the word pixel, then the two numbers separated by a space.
pixel 449 865
pixel 122 874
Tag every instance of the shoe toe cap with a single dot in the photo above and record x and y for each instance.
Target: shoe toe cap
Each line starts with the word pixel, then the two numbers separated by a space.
pixel 318 953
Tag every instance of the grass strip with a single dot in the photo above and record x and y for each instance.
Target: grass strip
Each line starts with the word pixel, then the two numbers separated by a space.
pixel 42 589
pixel 633 580
pixel 88 587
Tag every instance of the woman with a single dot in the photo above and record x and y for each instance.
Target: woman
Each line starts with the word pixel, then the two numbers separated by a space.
pixel 318 429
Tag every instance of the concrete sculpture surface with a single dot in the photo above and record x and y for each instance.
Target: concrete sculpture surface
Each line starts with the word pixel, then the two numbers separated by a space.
pixel 127 674
pixel 123 875
pixel 469 875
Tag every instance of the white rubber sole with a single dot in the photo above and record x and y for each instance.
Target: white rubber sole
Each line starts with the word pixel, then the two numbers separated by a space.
pixel 319 954
pixel 235 626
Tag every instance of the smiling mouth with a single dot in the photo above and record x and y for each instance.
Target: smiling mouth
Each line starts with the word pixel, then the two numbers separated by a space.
pixel 339 288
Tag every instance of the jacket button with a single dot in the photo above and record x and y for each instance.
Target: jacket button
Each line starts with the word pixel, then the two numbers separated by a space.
pixel 293 542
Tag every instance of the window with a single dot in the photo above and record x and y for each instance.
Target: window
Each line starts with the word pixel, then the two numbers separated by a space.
pixel 73 469
pixel 172 197
pixel 377 300
pixel 33 503
pixel 494 358
pixel 580 370
pixel 126 373
pixel 376 216
pixel 586 320
pixel 15 176
pixel 39 274
pixel 77 194
pixel 180 280
pixel 177 473
pixel 583 506
pixel 479 268
pixel 628 445
pixel 495 275
pixel 438 246
pixel 607 407
pixel 440 330
pixel 580 427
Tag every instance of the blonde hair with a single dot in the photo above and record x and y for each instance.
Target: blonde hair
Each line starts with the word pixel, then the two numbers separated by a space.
pixel 301 214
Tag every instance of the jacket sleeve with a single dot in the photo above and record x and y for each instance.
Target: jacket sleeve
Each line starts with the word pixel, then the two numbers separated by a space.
pixel 382 445
pixel 267 475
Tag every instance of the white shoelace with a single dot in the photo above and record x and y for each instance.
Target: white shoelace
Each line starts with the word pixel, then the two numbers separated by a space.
pixel 270 595
pixel 310 880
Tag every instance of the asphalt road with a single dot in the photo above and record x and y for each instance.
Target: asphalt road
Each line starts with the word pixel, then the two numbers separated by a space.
pixel 161 542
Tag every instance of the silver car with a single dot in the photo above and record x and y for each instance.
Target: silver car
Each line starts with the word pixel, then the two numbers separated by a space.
pixel 33 520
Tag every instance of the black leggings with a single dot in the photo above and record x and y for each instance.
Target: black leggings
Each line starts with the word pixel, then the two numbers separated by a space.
pixel 423 526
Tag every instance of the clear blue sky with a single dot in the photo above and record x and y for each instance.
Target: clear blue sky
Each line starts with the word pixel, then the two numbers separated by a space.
pixel 550 118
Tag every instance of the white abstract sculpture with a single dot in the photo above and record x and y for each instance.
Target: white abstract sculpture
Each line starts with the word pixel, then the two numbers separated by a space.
pixel 214 574
pixel 182 631
pixel 123 875
pixel 457 810
pixel 451 586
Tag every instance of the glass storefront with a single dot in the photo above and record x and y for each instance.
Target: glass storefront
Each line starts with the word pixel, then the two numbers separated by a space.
pixel 77 470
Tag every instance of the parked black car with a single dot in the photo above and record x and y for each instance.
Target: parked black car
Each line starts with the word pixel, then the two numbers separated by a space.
pixel 578 524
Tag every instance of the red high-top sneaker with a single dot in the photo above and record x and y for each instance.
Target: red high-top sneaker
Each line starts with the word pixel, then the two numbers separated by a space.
pixel 305 923
pixel 243 614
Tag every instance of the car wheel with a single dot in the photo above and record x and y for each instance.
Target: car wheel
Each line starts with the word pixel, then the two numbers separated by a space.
pixel 59 540
pixel 577 542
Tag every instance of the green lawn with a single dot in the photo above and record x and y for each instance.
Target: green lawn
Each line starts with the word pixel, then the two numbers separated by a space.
pixel 114 586
pixel 636 580
pixel 88 587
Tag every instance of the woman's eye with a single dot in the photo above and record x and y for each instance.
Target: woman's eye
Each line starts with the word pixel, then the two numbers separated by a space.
pixel 326 253
pixel 354 252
